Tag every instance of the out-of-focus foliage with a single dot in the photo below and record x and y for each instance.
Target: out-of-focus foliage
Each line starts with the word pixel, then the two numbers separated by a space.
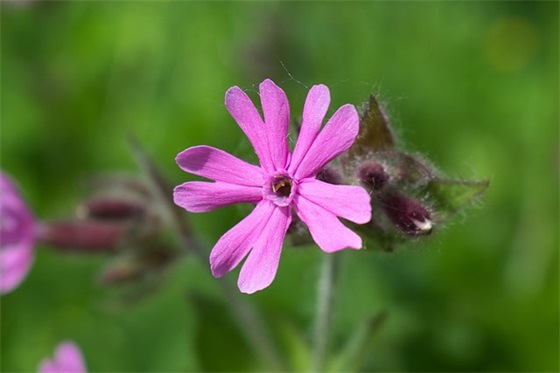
pixel 472 85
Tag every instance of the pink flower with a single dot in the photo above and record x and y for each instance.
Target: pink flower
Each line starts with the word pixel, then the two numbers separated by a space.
pixel 283 181
pixel 67 359
pixel 16 236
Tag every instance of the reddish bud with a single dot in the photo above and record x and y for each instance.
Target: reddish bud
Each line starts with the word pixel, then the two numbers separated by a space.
pixel 82 235
pixel 373 175
pixel 407 214
pixel 329 175
pixel 111 209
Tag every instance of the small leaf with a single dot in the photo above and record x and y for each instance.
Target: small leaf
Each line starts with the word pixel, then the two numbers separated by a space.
pixel 375 133
pixel 449 196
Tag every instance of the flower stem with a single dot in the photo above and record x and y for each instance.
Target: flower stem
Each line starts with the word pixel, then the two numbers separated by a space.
pixel 323 316
pixel 252 324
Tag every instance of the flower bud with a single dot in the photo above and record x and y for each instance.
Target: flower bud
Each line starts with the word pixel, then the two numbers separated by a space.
pixel 408 215
pixel 373 175
pixel 80 235
pixel 329 175
pixel 110 208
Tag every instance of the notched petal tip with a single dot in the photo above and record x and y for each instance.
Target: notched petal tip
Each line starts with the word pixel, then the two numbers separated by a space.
pixel 179 196
pixel 320 95
pixel 234 92
pixel 250 288
pixel 347 113
pixel 260 267
pixel 350 202
pixel 236 243
pixel 352 241
pixel 237 100
pixel 218 271
pixel 326 229
pixel 184 159
pixel 269 84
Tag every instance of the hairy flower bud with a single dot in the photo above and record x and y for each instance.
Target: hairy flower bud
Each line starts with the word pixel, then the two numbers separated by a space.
pixel 373 175
pixel 408 215
pixel 330 175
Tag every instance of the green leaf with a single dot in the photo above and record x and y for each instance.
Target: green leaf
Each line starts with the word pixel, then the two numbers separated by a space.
pixel 449 196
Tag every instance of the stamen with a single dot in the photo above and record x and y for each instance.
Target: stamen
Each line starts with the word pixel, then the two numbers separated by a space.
pixel 282 185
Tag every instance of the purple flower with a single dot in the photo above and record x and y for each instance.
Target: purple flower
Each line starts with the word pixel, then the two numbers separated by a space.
pixel 67 359
pixel 283 181
pixel 17 239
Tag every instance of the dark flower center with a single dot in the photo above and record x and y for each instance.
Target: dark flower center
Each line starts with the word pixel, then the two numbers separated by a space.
pixel 282 185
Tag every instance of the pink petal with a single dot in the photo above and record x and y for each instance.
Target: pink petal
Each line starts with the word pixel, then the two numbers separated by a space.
pixel 336 137
pixel 48 366
pixel 216 164
pixel 7 186
pixel 314 110
pixel 16 236
pixel 234 245
pixel 15 262
pixel 347 201
pixel 201 196
pixel 260 268
pixel 276 110
pixel 246 115
pixel 69 358
pixel 325 228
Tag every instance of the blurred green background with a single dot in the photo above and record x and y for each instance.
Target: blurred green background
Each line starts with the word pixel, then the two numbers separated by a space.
pixel 472 85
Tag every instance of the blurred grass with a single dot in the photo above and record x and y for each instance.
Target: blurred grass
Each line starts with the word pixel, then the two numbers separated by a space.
pixel 473 85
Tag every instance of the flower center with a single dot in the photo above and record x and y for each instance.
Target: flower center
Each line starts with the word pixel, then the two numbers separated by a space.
pixel 280 189
pixel 282 185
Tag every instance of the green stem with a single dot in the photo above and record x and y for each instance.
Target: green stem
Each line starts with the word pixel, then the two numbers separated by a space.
pixel 323 316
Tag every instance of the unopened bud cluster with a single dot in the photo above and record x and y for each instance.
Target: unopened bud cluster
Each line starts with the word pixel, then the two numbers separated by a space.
pixel 393 188
pixel 409 197
pixel 116 215
pixel 121 216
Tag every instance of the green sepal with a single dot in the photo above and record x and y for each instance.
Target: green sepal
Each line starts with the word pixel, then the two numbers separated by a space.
pixel 448 196
pixel 375 133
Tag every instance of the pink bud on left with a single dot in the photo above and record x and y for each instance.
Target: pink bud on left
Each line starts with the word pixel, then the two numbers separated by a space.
pixel 67 359
pixel 17 236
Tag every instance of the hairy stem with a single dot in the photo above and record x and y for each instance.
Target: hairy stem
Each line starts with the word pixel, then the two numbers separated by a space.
pixel 323 316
